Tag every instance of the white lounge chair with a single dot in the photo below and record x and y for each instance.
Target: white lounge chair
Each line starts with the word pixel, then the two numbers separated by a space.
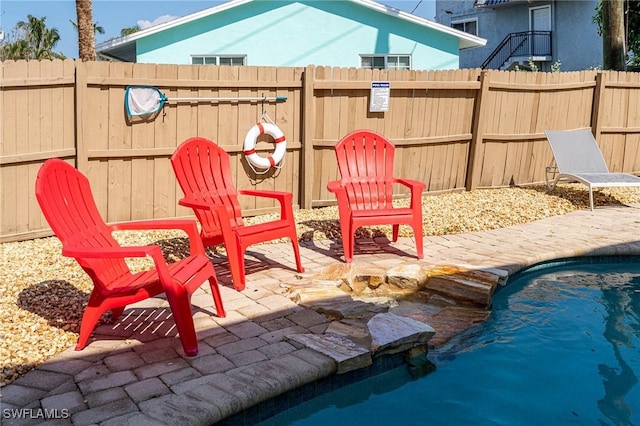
pixel 578 158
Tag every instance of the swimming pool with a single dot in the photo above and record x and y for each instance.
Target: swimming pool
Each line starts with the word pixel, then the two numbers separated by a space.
pixel 562 346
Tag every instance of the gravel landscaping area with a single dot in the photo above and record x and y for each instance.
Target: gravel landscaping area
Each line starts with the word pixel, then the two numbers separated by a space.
pixel 42 293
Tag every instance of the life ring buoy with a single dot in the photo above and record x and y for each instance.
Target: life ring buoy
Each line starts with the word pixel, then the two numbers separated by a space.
pixel 250 145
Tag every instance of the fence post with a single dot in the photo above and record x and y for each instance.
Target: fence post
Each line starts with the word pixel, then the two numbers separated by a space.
pixel 82 158
pixel 598 104
pixel 308 130
pixel 474 165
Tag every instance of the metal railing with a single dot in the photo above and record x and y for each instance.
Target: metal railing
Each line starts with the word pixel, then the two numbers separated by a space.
pixel 522 44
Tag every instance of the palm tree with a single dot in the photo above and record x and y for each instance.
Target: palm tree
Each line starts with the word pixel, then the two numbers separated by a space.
pixel 630 21
pixel 34 41
pixel 18 49
pixel 129 30
pixel 613 35
pixel 97 29
pixel 86 30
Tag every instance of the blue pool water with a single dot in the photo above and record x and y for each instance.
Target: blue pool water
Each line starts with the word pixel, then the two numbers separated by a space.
pixel 562 346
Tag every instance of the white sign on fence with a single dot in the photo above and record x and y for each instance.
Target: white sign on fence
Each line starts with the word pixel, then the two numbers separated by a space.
pixel 379 98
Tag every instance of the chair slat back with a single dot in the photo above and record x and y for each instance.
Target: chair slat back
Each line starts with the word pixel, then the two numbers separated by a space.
pixel 65 198
pixel 203 172
pixel 365 160
pixel 576 151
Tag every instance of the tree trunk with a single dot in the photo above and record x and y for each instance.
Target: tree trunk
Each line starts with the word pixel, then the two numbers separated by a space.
pixel 613 48
pixel 86 33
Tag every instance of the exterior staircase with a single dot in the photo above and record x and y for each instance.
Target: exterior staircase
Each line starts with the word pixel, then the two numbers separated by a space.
pixel 520 47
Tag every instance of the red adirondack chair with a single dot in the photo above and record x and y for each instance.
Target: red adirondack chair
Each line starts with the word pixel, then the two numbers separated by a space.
pixel 67 203
pixel 203 172
pixel 364 192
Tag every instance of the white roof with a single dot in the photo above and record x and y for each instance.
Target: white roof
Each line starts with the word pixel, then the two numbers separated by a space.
pixel 466 39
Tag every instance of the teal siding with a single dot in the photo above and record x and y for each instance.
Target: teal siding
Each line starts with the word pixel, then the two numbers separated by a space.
pixel 301 33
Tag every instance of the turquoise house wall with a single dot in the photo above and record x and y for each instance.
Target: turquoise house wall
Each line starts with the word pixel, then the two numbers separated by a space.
pixel 299 34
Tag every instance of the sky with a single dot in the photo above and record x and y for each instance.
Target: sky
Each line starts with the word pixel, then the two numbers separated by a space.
pixel 114 15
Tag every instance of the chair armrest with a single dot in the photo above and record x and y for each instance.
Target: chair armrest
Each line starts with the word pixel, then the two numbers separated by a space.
pixel 279 195
pixel 203 205
pixel 335 186
pixel 111 252
pixel 188 226
pixel 284 198
pixel 224 218
pixel 184 224
pixel 339 190
pixel 344 208
pixel 194 204
pixel 410 183
pixel 152 251
pixel 416 188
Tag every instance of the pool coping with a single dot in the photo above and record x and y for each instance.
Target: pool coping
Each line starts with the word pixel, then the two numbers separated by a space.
pixel 266 410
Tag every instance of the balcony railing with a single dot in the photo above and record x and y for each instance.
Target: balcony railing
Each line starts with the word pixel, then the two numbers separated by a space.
pixel 525 44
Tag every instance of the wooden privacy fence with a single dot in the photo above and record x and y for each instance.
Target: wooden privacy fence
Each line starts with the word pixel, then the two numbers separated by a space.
pixel 454 130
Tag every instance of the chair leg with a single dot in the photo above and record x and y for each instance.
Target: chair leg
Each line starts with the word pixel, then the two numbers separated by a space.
pixel 180 305
pixel 235 257
pixel 217 298
pixel 90 317
pixel 116 312
pixel 417 233
pixel 296 250
pixel 395 231
pixel 237 276
pixel 348 242
pixel 242 268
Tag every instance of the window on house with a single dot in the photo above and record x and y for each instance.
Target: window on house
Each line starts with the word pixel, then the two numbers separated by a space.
pixel 468 26
pixel 218 59
pixel 389 62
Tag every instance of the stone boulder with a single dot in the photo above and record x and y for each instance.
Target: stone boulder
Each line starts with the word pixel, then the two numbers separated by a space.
pixel 381 310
